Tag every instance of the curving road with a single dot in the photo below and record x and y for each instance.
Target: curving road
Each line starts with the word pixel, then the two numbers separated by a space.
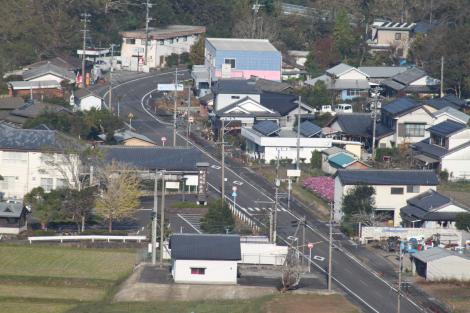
pixel 255 197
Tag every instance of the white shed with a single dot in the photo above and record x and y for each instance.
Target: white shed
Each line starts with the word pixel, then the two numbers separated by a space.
pixel 205 258
pixel 85 100
pixel 439 264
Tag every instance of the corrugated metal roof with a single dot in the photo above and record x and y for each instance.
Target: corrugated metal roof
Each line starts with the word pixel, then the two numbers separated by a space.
pixel 382 71
pixel 205 247
pixel 341 160
pixel 432 254
pixel 388 177
pixel 236 44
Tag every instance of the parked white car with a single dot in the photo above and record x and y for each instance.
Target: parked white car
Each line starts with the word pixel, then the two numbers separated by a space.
pixel 324 109
pixel 103 65
pixel 344 108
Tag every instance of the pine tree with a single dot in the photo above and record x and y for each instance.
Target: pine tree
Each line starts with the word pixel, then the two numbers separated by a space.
pixel 218 219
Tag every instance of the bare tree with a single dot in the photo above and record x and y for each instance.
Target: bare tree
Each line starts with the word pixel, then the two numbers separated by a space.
pixel 120 194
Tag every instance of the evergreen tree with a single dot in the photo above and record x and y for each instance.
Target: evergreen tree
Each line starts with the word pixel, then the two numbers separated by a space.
pixel 343 34
pixel 218 219
pixel 311 65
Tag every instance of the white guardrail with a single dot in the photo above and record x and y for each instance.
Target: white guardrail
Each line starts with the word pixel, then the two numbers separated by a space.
pixel 87 237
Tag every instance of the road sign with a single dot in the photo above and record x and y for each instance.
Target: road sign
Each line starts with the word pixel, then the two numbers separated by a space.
pixel 293 173
pixel 310 245
pixel 234 188
pixel 170 87
pixel 191 119
pixel 163 139
pixel 130 115
pixel 234 194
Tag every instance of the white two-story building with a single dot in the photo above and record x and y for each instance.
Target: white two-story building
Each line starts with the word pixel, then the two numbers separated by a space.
pixel 27 161
pixel 392 188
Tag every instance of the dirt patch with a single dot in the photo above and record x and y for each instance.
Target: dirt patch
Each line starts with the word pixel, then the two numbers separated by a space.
pixel 455 295
pixel 310 303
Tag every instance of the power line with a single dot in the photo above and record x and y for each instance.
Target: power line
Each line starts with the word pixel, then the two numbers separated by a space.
pixel 85 20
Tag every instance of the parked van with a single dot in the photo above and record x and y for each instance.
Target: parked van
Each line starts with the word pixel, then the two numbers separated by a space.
pixel 324 109
pixel 344 108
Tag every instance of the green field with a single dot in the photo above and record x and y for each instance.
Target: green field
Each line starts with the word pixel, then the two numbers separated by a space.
pixel 56 279
pixel 53 279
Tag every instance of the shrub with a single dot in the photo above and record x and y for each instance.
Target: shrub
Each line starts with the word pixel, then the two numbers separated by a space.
pixel 322 186
pixel 444 175
pixel 43 232
pixel 315 160
pixel 104 232
pixel 381 152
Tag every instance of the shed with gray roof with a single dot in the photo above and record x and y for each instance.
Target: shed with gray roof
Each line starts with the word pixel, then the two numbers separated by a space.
pixel 438 264
pixel 205 258
pixel 12 218
pixel 388 177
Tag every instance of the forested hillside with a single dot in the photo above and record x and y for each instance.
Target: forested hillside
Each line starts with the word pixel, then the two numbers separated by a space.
pixel 31 30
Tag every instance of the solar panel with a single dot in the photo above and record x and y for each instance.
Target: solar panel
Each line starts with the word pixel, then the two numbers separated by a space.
pixel 266 128
pixel 308 129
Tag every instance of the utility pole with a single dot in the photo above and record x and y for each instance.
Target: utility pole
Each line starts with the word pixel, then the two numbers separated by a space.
pixel 111 78
pixel 298 134
pixel 375 96
pixel 154 219
pixel 148 5
pixel 255 9
pixel 442 76
pixel 162 220
pixel 399 280
pixel 188 116
pixel 222 148
pixel 85 22
pixel 174 110
pixel 430 13
pixel 330 248
pixel 271 227
pixel 304 224
pixel 276 200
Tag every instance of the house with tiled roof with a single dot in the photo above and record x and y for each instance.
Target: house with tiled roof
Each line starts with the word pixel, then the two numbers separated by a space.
pixel 413 81
pixel 431 209
pixel 447 148
pixel 392 187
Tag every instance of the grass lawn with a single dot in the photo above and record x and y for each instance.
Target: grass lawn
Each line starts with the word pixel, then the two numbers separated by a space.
pixel 65 262
pixel 83 281
pixel 55 279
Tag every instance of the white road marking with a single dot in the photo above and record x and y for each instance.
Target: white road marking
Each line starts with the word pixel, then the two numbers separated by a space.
pixel 318 258
pixel 236 182
pixel 216 167
pixel 257 209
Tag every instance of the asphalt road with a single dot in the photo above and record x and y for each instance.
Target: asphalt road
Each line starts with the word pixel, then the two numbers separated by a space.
pixel 255 197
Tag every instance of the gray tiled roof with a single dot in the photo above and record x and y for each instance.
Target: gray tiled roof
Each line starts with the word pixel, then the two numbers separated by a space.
pixel 446 101
pixel 11 103
pixel 49 68
pixel 355 124
pixel 279 102
pixel 459 115
pixel 388 177
pixel 33 110
pixel 309 129
pixel 11 210
pixel 382 71
pixel 151 158
pixel 339 69
pixel 205 247
pixel 270 85
pixel 235 86
pixel 409 76
pixel 29 139
pixel 429 149
pixel 446 128
pixel 429 200
pixel 401 105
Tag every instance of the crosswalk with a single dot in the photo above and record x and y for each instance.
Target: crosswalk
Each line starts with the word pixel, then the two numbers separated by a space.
pixel 254 210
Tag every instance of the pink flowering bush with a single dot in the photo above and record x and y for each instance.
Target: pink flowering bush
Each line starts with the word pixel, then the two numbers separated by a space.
pixel 322 186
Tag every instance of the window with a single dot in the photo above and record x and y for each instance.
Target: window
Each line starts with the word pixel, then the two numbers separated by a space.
pixel 46 184
pixel 161 42
pixel 396 190
pixel 14 157
pixel 397 36
pixel 412 189
pixel 61 183
pixel 185 38
pixel 414 130
pixel 8 182
pixel 130 41
pixel 235 97
pixel 170 41
pixel 231 62
pixel 198 271
pixel 353 92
